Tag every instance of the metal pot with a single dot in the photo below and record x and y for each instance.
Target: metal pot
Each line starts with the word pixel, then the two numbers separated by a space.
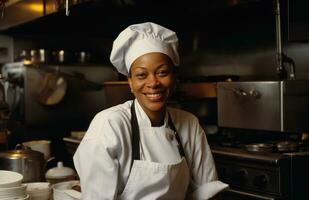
pixel 62 57
pixel 39 56
pixel 29 163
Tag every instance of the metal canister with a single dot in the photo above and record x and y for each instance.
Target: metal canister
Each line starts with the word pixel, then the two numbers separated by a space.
pixel 29 163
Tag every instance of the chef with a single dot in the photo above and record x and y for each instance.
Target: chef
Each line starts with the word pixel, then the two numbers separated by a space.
pixel 143 149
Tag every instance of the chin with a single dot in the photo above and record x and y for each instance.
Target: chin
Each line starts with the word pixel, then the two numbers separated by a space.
pixel 155 106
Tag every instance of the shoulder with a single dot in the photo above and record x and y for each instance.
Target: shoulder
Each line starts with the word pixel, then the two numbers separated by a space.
pixel 182 116
pixel 186 124
pixel 114 120
pixel 109 130
pixel 118 112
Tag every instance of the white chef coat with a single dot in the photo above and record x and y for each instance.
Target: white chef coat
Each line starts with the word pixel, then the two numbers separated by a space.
pixel 103 158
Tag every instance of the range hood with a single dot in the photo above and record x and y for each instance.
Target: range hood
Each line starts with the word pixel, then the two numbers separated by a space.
pixel 98 17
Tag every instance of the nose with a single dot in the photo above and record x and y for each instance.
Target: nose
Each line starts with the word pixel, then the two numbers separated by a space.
pixel 152 81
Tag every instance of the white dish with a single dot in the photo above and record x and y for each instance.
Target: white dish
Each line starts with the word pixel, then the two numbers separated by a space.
pixel 38 186
pixel 78 134
pixel 59 190
pixel 39 190
pixel 13 190
pixel 23 197
pixel 10 179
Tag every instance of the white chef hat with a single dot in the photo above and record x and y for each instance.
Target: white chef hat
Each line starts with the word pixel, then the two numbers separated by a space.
pixel 140 39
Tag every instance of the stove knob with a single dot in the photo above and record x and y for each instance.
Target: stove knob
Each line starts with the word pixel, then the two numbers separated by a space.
pixel 260 181
pixel 240 176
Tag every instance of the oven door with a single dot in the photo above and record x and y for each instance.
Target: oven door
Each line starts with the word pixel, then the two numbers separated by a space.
pixel 240 195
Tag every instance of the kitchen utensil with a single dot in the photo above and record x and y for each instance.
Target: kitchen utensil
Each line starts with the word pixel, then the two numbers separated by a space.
pixel 13 193
pixel 73 193
pixel 10 179
pixel 305 137
pixel 260 147
pixel 59 174
pixel 54 89
pixel 39 190
pixel 287 146
pixel 60 190
pixel 29 163
pixel 62 56
pixel 83 57
pixel 42 146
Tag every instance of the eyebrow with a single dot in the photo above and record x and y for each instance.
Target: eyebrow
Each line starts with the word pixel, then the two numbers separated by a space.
pixel 162 65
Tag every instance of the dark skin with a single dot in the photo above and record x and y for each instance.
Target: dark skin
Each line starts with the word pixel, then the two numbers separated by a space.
pixel 152 80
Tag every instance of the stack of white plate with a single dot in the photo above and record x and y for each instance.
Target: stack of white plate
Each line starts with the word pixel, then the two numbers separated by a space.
pixel 63 191
pixel 11 187
pixel 39 190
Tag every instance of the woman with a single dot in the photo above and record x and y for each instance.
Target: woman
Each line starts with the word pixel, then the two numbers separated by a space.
pixel 143 149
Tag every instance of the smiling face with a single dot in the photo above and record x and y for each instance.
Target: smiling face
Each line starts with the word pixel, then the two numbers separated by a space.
pixel 151 80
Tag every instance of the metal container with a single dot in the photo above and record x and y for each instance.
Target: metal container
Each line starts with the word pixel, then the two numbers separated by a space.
pixel 29 163
pixel 264 105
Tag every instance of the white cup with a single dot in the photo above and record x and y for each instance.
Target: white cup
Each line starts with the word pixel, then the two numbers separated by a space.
pixel 42 146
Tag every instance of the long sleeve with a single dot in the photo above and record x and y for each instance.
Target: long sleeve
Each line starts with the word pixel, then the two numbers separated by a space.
pixel 97 158
pixel 204 182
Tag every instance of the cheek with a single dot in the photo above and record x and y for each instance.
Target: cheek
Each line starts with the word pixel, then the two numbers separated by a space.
pixel 137 85
pixel 170 83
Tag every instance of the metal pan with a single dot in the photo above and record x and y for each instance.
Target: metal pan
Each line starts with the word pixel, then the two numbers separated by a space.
pixel 54 89
pixel 260 147
pixel 287 146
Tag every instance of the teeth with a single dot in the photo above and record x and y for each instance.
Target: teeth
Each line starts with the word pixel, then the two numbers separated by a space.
pixel 154 95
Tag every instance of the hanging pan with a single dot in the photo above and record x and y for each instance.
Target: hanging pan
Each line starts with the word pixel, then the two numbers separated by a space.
pixel 53 90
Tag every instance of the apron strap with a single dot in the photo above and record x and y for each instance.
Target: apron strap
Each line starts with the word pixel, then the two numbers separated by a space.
pixel 135 135
pixel 136 139
pixel 171 125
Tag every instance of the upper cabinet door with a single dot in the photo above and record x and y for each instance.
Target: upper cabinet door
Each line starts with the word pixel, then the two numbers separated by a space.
pixel 51 6
pixel 19 11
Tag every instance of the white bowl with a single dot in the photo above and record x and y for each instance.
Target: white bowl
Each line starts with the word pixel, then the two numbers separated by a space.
pixel 26 197
pixel 59 190
pixel 13 191
pixel 10 179
pixel 38 187
pixel 41 196
pixel 39 190
pixel 23 197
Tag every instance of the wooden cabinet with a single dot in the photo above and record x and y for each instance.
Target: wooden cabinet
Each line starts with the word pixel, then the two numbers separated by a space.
pixel 17 12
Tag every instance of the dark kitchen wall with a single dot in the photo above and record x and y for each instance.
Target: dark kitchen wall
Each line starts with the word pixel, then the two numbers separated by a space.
pixel 241 39
pixel 216 37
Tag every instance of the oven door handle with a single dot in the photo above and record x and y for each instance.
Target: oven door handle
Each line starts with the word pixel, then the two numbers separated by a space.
pixel 252 195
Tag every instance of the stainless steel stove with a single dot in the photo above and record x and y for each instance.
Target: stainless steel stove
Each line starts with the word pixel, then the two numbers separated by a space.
pixel 262 175
pixel 264 113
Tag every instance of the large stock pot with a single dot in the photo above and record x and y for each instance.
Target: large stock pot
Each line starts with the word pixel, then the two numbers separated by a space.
pixel 29 163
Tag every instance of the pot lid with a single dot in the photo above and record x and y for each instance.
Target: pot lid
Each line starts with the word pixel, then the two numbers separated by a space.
pixel 17 154
pixel 60 171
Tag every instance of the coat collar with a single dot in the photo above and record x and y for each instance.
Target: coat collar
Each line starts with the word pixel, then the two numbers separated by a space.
pixel 143 119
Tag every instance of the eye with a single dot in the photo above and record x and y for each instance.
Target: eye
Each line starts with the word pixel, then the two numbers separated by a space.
pixel 163 73
pixel 140 75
